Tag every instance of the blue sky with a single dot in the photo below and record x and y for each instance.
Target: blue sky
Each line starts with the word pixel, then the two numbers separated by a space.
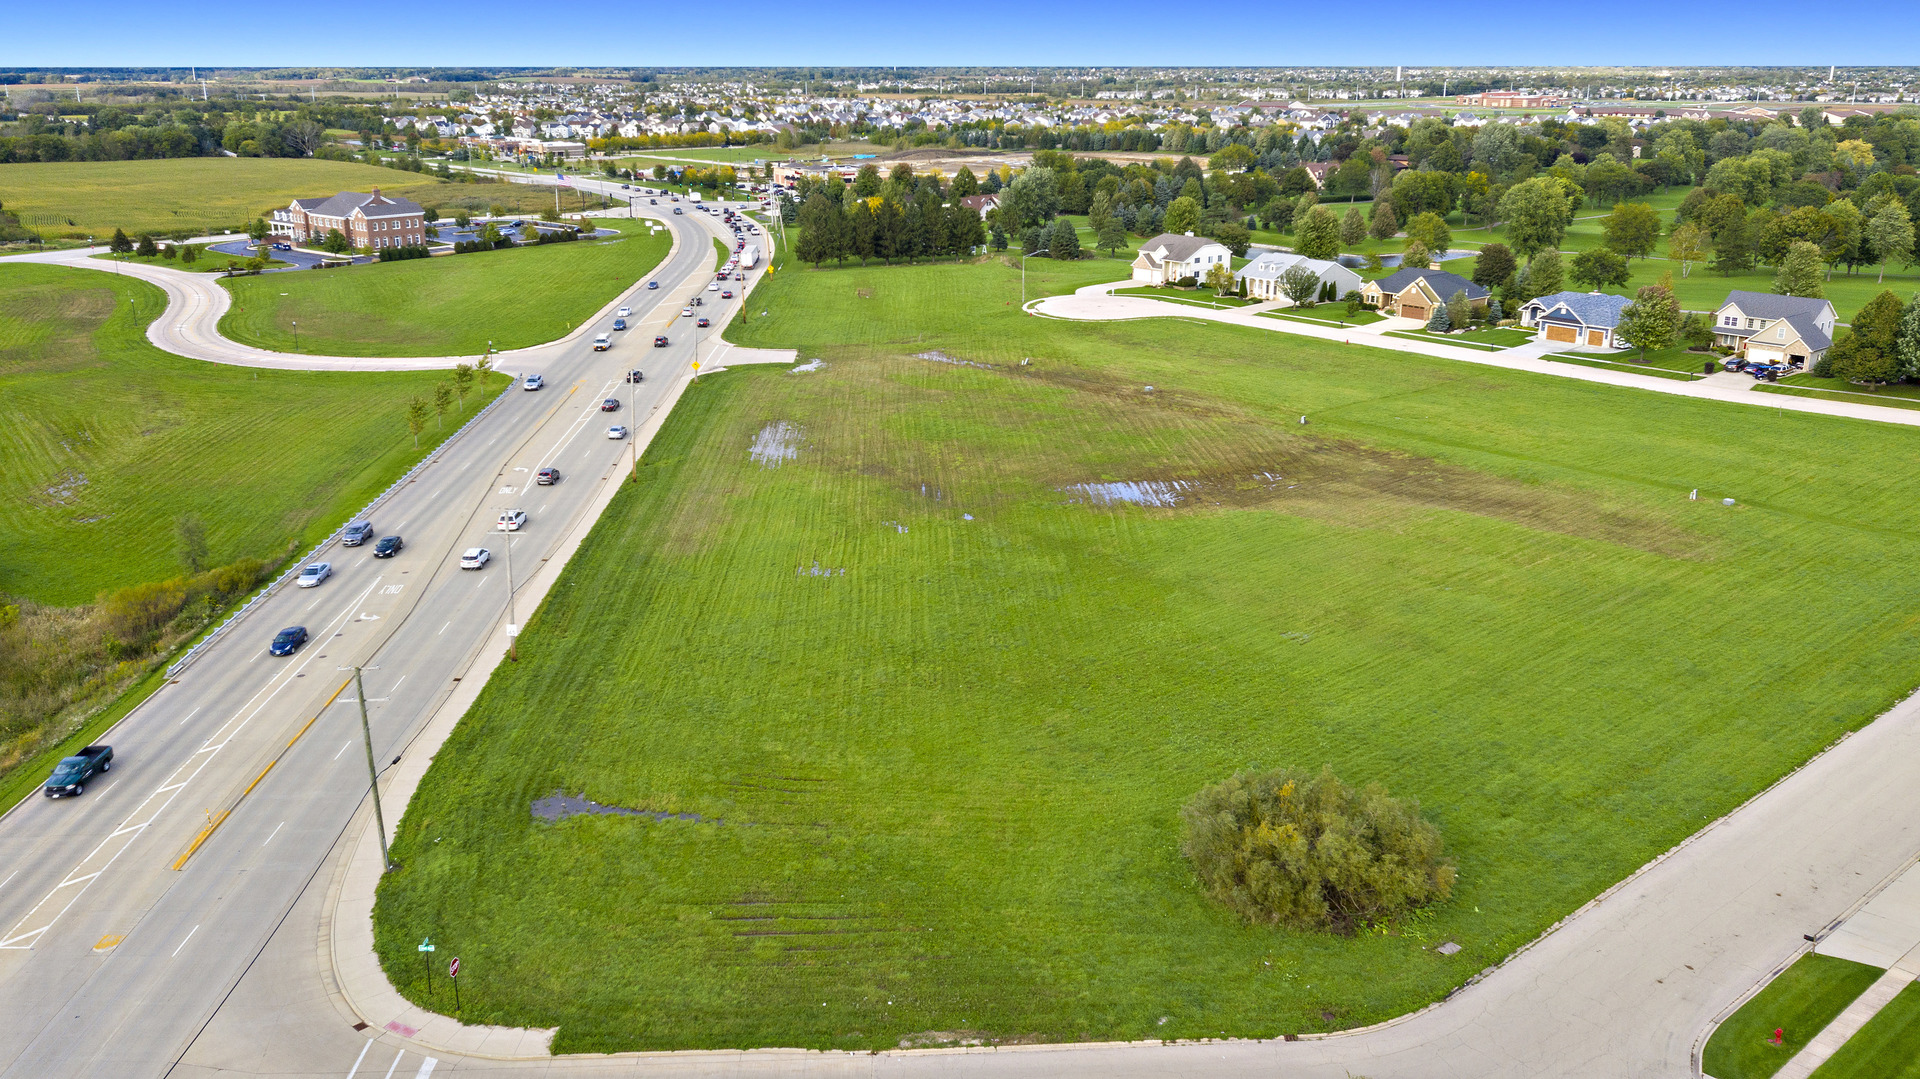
pixel 995 32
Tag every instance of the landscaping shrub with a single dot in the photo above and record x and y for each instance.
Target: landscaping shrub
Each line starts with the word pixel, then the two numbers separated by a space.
pixel 401 254
pixel 1286 847
pixel 1823 367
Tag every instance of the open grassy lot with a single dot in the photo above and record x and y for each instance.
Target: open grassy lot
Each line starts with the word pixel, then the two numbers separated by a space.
pixel 729 155
pixel 106 441
pixel 211 193
pixel 208 262
pixel 447 306
pixel 1888 1047
pixel 929 708
pixel 1490 340
pixel 1334 315
pixel 1799 1003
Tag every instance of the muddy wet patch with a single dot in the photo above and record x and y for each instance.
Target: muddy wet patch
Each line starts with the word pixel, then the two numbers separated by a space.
pixel 938 356
pixel 1132 492
pixel 776 444
pixel 559 805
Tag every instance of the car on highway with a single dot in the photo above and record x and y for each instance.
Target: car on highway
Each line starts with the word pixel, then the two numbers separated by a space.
pixel 722 275
pixel 314 574
pixel 288 641
pixel 616 431
pixel 619 324
pixel 713 286
pixel 475 557
pixel 611 404
pixel 739 277
pixel 676 209
pixel 356 533
pixel 603 342
pixel 686 312
pixel 624 312
pixel 71 774
pixel 659 341
pixel 637 375
pixel 702 323
pixel 653 202
pixel 626 187
pixel 533 382
pixel 653 284
pixel 547 477
pixel 512 521
pixel 726 294
pixel 388 546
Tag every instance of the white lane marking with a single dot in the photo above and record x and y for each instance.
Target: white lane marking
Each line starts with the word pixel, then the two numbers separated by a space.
pixel 275 832
pixel 343 748
pixel 358 1059
pixel 426 1069
pixel 256 655
pixel 189 715
pixel 183 941
pixel 10 876
pixel 396 685
pixel 134 824
pixel 315 603
pixel 443 629
pixel 395 1064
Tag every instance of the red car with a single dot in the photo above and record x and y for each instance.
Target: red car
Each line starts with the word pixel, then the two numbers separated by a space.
pixel 726 294
pixel 611 404
pixel 703 323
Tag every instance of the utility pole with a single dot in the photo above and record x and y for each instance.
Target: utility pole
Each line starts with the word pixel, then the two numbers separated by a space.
pixel 513 630
pixel 373 772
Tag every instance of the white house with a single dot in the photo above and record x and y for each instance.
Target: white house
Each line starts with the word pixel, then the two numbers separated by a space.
pixel 1168 258
pixel 1263 275
pixel 1770 328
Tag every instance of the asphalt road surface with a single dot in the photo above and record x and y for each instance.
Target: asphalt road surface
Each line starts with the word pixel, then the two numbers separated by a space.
pixel 111 958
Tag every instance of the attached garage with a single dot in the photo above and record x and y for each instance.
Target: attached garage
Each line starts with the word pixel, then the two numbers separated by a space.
pixel 1562 333
pixel 1414 310
pixel 1597 338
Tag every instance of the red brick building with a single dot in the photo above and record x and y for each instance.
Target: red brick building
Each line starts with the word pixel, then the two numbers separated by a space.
pixel 374 220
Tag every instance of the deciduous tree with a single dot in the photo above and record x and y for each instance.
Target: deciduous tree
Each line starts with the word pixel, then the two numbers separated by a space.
pixel 1430 229
pixel 1890 232
pixel 1318 235
pixel 1536 215
pixel 1799 271
pixel 1651 321
pixel 1687 245
pixel 1599 268
pixel 1494 267
pixel 1632 229
pixel 1416 256
pixel 1385 221
pixel 1183 216
pixel 1299 285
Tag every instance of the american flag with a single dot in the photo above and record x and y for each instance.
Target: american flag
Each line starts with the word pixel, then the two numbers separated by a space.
pixel 563 180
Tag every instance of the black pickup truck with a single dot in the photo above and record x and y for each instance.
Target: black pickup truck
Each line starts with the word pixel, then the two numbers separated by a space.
pixel 71 774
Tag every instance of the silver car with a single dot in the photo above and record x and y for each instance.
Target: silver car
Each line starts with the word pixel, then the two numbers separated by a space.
pixel 314 574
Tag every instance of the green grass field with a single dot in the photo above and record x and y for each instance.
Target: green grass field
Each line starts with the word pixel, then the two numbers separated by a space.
pixel 107 441
pixel 937 709
pixel 208 262
pixel 1888 1047
pixel 1334 315
pixel 1488 340
pixel 1192 298
pixel 75 198
pixel 452 305
pixel 1799 1003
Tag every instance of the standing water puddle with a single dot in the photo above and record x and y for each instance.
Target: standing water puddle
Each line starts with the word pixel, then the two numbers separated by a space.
pixel 1133 492
pixel 776 443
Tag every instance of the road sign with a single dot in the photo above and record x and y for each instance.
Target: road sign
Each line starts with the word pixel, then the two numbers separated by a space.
pixel 427 945
pixel 453 968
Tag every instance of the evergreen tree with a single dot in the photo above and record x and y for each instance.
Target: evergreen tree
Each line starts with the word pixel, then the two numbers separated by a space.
pixel 1440 321
pixel 1385 221
pixel 860 231
pixel 1113 236
pixel 146 249
pixel 1064 242
pixel 1353 226
pixel 1099 211
pixel 1799 271
pixel 119 245
pixel 1459 308
pixel 997 237
pixel 964 184
pixel 1732 252
pixel 1906 341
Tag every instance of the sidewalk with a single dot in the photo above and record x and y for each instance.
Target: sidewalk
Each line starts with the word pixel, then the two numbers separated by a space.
pixel 1093 304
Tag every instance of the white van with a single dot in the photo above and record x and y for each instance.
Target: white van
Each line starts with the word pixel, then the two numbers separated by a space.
pixel 603 342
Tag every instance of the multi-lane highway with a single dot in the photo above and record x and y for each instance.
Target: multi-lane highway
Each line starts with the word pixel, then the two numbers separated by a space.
pixel 128 914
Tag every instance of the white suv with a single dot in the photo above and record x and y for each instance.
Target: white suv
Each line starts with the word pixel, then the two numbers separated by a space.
pixel 513 520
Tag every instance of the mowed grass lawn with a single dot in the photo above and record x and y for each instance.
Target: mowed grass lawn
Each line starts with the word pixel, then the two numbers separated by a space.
pixel 1799 1003
pixel 204 193
pixel 107 441
pixel 1888 1047
pixel 447 306
pixel 937 708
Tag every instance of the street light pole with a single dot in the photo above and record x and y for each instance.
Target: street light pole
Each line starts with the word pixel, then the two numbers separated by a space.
pixel 296 335
pixel 373 772
pixel 513 630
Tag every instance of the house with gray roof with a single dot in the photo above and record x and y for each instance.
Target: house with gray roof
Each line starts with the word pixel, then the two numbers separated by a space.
pixel 371 221
pixel 1770 328
pixel 1263 276
pixel 1168 258
pixel 1412 293
pixel 1576 318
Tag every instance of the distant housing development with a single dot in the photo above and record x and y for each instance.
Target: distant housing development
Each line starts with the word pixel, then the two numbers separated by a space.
pixel 372 220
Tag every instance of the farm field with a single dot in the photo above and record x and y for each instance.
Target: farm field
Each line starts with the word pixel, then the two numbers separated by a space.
pixel 202 194
pixel 452 305
pixel 927 696
pixel 107 441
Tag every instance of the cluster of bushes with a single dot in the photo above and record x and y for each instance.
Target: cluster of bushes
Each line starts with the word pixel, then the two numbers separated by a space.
pixel 463 247
pixel 57 663
pixel 556 236
pixel 401 254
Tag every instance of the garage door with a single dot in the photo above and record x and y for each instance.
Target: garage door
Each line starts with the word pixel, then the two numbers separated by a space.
pixel 1597 338
pixel 1413 311
pixel 1562 333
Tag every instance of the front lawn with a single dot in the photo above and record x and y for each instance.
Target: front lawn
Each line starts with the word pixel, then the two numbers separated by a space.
pixel 911 696
pixel 1799 1003
pixel 1490 340
pixel 1191 297
pixel 449 305
pixel 1331 315
pixel 1888 1047
pixel 1677 358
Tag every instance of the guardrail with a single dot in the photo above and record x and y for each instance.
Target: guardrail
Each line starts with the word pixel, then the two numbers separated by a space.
pixel 294 569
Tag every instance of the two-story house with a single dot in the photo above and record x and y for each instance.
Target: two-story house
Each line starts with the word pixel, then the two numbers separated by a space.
pixel 1769 328
pixel 374 220
pixel 1168 258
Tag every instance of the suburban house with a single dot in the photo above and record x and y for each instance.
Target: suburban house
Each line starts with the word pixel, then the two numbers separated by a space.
pixel 1577 318
pixel 1415 293
pixel 980 204
pixel 1262 276
pixel 1774 329
pixel 1320 170
pixel 374 220
pixel 1168 258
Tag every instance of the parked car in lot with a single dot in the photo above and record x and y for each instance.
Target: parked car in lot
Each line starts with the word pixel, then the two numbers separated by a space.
pixel 637 375
pixel 547 477
pixel 616 431
pixel 603 342
pixel 288 641
pixel 71 774
pixel 702 323
pixel 611 404
pixel 533 382
pixel 356 533
pixel 475 557
pixel 283 247
pixel 314 574
pixel 619 324
pixel 512 521
pixel 388 546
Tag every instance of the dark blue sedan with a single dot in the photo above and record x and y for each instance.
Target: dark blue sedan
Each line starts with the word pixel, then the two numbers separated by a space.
pixel 288 641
